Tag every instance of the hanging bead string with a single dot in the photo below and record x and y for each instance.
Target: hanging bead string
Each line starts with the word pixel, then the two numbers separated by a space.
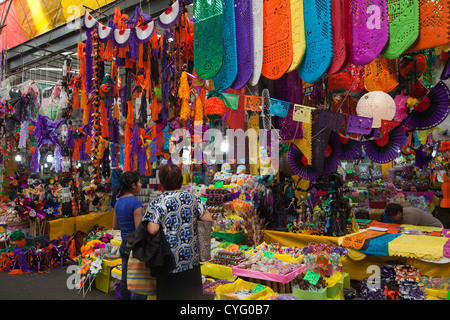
pixel 96 133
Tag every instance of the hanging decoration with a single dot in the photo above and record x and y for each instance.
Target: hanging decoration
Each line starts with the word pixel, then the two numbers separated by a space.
pixel 208 37
pixel 244 42
pixel 277 34
pixel 228 72
pixel 431 110
pixel 258 33
pixel 319 40
pixel 376 105
pixel 298 34
pixel 340 18
pixel 300 165
pixel 370 29
pixel 403 26
pixel 386 148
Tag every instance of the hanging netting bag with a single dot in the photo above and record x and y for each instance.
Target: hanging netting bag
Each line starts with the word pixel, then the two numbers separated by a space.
pixel 227 74
pixel 370 29
pixel 277 52
pixel 319 40
pixel 208 37
pixel 403 27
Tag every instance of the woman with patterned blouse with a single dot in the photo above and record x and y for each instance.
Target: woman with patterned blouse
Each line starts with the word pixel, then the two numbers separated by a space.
pixel 178 211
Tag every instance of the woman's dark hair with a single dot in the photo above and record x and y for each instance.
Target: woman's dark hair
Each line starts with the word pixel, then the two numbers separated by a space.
pixel 170 177
pixel 127 179
pixel 392 209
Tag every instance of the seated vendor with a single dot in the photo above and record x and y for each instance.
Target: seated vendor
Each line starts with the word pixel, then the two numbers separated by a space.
pixel 411 216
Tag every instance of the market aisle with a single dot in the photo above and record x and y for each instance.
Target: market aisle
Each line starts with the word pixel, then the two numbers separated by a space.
pixel 45 286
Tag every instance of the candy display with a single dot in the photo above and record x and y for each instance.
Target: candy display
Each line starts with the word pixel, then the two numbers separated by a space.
pixel 265 263
pixel 228 258
pixel 294 252
pixel 308 285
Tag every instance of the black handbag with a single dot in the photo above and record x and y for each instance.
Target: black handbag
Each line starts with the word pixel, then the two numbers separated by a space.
pixel 153 250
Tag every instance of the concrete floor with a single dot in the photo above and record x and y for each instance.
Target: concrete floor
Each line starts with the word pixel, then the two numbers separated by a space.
pixel 51 285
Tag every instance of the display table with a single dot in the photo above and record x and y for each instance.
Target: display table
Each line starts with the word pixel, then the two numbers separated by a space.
pixel 359 265
pixel 62 226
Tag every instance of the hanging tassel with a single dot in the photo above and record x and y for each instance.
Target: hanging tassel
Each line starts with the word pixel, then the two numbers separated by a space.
pixel 88 149
pixel 184 93
pixel 198 112
pixel 76 99
pixel 130 113
pixel 85 107
pixel 140 56
pixel 155 108
pixel 103 119
pixel 116 110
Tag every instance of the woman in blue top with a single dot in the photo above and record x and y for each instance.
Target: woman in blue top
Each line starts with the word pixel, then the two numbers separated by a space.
pixel 127 216
pixel 178 211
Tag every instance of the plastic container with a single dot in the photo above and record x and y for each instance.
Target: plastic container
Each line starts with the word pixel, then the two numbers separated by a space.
pixel 310 295
pixel 224 292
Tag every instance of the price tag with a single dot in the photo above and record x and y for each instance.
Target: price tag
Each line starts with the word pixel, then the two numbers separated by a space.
pixel 218 184
pixel 312 277
pixel 204 199
pixel 269 254
pixel 259 287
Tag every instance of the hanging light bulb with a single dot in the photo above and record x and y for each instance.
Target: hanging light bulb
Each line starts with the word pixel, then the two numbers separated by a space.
pixel 18 158
pixel 49 158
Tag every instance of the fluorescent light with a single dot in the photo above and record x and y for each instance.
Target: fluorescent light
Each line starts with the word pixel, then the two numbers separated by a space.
pixel 225 146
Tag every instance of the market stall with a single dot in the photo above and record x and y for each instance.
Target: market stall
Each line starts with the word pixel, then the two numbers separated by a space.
pixel 294 129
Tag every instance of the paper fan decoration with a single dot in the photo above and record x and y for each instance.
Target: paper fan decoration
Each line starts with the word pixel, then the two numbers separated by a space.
pixel 299 164
pixel 228 72
pixel 340 18
pixel 105 33
pixel 403 27
pixel 370 29
pixel 277 38
pixel 257 9
pixel 145 32
pixel 431 110
pixel 208 37
pixel 376 105
pixel 89 22
pixel 244 42
pixel 386 148
pixel 298 34
pixel 401 100
pixel 170 17
pixel 350 148
pixel 333 153
pixel 319 40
